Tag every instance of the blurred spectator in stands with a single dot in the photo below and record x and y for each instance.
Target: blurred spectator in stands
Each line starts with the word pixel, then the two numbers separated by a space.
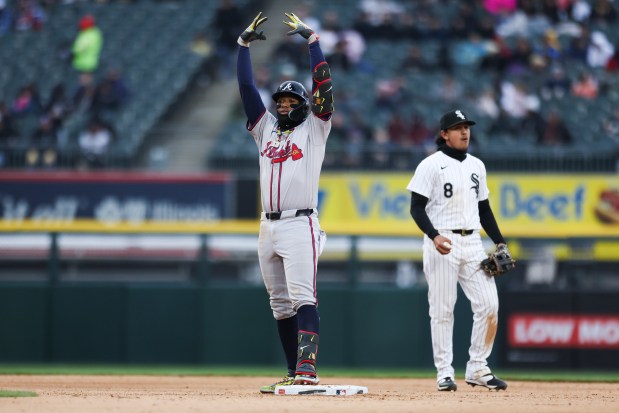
pixel 517 100
pixel 390 94
pixel 289 51
pixel 378 9
pixel 556 10
pixel 202 46
pixel 443 57
pixel 387 29
pixel 9 135
pixel 84 94
pixel 436 28
pixel 554 131
pixel 408 134
pixel 381 148
pixel 335 144
pixel 449 90
pixel 470 51
pixel 6 18
pixel 228 24
pixel 414 61
pixel 512 24
pixel 408 27
pixel 603 12
pixel 358 134
pixel 520 59
pixel 111 93
pixel 463 23
pixel 498 56
pixel 29 16
pixel 94 143
pixel 557 86
pixel 264 84
pixel 610 126
pixel 42 151
pixel 362 24
pixel 550 48
pixel 486 103
pixel 579 44
pixel 599 50
pixel 581 11
pixel 338 59
pixel 87 45
pixel 586 86
pixel 27 101
pixel 58 108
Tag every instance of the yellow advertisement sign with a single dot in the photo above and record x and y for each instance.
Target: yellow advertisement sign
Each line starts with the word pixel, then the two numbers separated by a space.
pixel 524 205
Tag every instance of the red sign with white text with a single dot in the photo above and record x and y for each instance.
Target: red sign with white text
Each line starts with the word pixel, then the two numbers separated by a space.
pixel 564 331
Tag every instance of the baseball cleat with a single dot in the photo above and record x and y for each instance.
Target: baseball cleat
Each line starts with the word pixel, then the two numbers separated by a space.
pixel 446 384
pixel 306 379
pixel 286 381
pixel 489 381
pixel 306 374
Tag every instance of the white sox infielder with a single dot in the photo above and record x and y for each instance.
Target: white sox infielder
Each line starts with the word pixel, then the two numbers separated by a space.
pixel 291 148
pixel 450 205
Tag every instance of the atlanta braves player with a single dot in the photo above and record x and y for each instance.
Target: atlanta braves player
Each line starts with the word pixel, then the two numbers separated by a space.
pixel 449 203
pixel 291 146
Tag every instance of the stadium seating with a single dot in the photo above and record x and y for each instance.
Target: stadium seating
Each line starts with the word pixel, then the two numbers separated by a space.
pixel 591 150
pixel 147 40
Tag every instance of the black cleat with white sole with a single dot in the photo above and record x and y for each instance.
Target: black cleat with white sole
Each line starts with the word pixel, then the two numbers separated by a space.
pixel 446 384
pixel 489 381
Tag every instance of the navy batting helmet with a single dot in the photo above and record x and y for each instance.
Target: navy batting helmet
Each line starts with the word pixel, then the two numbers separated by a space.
pixel 290 87
pixel 299 112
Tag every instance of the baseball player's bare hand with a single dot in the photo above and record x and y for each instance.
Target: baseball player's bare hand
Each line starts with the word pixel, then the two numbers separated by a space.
pixel 442 244
pixel 250 34
pixel 298 26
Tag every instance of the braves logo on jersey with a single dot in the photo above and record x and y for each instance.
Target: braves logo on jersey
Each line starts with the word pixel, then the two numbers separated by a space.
pixel 278 155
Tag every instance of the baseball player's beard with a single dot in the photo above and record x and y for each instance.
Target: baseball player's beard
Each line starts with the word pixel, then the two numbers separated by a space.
pixel 286 122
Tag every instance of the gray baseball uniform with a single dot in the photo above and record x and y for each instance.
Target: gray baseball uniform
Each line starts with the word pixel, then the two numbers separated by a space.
pixel 290 164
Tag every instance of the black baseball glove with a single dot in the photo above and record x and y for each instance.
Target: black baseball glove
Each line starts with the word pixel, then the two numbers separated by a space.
pixel 250 34
pixel 498 262
pixel 298 26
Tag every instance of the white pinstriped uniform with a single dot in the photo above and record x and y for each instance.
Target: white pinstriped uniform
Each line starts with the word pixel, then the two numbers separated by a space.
pixel 288 248
pixel 453 189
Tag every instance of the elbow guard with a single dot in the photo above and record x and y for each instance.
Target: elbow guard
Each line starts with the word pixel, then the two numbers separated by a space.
pixel 322 98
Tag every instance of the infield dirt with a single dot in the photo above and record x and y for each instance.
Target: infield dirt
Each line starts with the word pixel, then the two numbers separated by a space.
pixel 174 394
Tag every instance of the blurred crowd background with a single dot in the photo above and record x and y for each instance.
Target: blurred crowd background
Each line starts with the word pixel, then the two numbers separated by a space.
pixel 94 84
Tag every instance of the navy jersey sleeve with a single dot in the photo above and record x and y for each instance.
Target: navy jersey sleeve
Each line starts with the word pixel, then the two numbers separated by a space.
pixel 252 103
pixel 316 57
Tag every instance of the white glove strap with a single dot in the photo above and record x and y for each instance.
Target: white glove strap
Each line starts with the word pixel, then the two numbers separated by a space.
pixel 242 43
pixel 312 38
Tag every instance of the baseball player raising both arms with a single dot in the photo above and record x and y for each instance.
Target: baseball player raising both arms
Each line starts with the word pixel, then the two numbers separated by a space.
pixel 291 146
pixel 450 205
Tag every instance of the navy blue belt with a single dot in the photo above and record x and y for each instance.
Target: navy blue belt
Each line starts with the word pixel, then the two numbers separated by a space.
pixel 274 216
pixel 463 232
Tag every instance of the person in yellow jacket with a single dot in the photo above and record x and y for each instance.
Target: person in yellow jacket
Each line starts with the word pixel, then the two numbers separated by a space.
pixel 87 46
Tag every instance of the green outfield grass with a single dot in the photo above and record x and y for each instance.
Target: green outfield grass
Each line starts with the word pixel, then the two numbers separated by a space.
pixel 577 376
pixel 17 393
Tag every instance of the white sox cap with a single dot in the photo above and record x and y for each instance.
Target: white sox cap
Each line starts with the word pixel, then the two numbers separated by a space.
pixel 453 118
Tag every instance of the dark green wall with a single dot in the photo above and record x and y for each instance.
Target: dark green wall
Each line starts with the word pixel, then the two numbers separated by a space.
pixel 172 324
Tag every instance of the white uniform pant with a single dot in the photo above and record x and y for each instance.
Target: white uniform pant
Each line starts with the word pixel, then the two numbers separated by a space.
pixel 288 251
pixel 443 273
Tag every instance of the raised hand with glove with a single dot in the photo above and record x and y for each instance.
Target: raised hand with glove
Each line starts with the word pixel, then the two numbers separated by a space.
pixel 498 262
pixel 250 34
pixel 298 27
